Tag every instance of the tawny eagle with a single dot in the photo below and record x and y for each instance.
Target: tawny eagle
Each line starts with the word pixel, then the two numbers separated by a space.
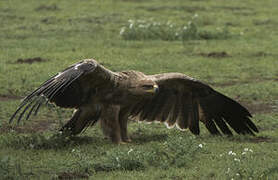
pixel 175 99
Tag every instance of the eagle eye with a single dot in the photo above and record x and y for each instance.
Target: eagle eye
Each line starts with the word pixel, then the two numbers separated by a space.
pixel 147 86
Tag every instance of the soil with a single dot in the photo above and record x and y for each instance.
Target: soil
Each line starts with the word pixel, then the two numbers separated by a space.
pixel 221 54
pixel 30 60
pixel 73 175
pixel 259 108
pixel 260 139
pixel 33 127
pixel 8 97
pixel 52 7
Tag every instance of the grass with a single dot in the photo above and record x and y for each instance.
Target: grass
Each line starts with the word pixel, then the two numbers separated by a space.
pixel 229 45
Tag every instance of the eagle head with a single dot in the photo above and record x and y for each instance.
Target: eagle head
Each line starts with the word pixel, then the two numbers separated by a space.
pixel 144 88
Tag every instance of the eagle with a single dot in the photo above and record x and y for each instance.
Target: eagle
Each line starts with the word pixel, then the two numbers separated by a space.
pixel 98 94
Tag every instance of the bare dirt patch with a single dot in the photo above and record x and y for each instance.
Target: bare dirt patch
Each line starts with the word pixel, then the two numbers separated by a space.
pixel 250 80
pixel 8 97
pixel 258 108
pixel 73 175
pixel 261 139
pixel 50 20
pixel 177 8
pixel 52 7
pixel 30 60
pixel 254 139
pixel 233 8
pixel 261 54
pixel 32 127
pixel 264 22
pixel 221 54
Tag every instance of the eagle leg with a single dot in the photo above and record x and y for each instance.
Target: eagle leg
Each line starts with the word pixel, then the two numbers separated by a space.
pixel 123 118
pixel 81 119
pixel 110 123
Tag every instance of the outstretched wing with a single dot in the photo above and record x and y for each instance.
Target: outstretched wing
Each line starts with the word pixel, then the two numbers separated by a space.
pixel 183 101
pixel 70 88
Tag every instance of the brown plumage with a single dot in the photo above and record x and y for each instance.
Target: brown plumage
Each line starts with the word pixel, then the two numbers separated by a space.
pixel 112 97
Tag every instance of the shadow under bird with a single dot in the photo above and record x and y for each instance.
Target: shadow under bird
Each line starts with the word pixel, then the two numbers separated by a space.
pixel 98 94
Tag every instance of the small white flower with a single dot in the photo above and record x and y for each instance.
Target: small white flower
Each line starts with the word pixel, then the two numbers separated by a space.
pixel 141 21
pixel 236 159
pixel 195 16
pixel 228 170
pixel 130 151
pixel 184 27
pixel 141 26
pixel 247 149
pixel 73 150
pixel 232 153
pixel 189 23
pixel 237 174
pixel 177 34
pixel 122 31
pixel 243 153
pixel 221 155
pixel 200 145
pixel 117 159
pixel 130 21
pixel 171 25
pixel 130 26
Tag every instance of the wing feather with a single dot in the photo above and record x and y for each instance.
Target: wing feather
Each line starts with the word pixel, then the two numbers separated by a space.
pixel 160 100
pixel 70 88
pixel 183 120
pixel 194 118
pixel 175 112
pixel 185 101
pixel 223 126
pixel 210 125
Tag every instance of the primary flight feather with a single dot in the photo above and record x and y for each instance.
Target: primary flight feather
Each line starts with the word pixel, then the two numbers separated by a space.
pixel 113 97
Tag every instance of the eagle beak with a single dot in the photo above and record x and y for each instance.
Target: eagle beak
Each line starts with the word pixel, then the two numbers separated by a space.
pixel 155 88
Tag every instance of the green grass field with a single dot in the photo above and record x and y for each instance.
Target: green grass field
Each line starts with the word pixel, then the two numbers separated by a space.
pixel 231 45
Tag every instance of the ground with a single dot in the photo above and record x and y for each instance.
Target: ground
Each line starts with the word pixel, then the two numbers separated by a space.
pixel 231 45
